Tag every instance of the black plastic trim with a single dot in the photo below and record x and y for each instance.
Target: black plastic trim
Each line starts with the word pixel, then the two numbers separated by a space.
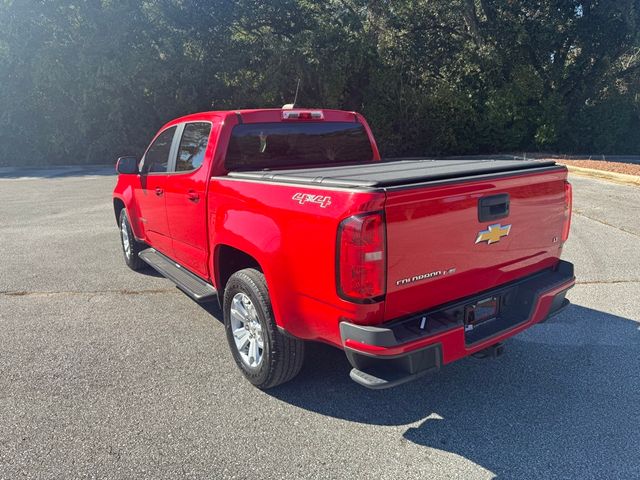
pixel 378 336
pixel 559 304
pixel 487 206
pixel 386 372
pixel 475 178
pixel 196 287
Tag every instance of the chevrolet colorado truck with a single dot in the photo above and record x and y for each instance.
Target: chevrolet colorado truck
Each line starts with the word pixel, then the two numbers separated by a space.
pixel 293 222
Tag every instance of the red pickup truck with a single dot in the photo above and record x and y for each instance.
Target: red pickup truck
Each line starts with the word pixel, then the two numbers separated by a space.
pixel 293 221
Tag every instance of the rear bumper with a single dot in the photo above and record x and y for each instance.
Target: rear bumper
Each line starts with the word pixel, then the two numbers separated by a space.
pixel 408 348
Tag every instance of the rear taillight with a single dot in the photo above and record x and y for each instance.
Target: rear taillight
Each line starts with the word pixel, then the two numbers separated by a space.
pixel 361 258
pixel 568 203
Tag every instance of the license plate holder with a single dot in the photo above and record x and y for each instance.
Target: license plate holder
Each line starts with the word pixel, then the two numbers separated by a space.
pixel 482 311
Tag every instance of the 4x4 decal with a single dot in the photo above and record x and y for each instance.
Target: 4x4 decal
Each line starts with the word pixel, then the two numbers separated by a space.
pixel 303 198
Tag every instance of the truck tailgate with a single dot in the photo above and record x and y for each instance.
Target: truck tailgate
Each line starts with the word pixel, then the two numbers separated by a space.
pixel 439 250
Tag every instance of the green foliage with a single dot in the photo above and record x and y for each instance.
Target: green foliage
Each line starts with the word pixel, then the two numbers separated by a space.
pixel 82 81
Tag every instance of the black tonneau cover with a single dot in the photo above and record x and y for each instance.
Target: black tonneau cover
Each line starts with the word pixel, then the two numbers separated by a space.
pixel 394 172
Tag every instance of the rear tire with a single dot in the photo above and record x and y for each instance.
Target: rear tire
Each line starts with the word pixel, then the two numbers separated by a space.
pixel 130 246
pixel 265 356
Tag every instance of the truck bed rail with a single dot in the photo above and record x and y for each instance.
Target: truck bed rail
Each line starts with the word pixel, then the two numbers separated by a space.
pixel 393 172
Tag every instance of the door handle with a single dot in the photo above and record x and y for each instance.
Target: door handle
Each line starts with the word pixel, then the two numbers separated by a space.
pixel 193 196
pixel 493 207
pixel 159 191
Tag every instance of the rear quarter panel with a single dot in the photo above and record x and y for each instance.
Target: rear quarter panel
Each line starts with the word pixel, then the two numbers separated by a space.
pixel 294 242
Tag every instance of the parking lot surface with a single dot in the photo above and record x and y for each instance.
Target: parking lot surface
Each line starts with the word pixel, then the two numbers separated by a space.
pixel 107 373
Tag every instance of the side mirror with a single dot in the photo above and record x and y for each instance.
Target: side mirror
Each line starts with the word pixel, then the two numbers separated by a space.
pixel 127 165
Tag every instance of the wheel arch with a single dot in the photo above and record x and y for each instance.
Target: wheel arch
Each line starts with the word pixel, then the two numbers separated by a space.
pixel 228 260
pixel 118 206
pixel 123 200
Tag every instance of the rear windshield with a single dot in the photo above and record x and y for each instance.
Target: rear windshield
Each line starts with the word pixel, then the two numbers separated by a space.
pixel 283 144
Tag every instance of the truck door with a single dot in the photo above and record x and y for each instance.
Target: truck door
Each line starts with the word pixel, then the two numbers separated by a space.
pixel 150 194
pixel 186 195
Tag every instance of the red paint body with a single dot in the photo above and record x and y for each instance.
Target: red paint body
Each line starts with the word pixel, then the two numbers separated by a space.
pixel 428 228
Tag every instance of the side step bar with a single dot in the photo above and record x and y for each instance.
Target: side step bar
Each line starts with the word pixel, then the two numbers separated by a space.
pixel 186 281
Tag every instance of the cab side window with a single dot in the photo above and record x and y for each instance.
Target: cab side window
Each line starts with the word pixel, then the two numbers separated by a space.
pixel 156 160
pixel 192 146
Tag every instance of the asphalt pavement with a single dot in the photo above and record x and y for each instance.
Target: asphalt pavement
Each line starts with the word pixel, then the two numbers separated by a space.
pixel 107 373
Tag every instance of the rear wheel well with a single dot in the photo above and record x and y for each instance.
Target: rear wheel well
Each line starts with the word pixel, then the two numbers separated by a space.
pixel 118 205
pixel 228 261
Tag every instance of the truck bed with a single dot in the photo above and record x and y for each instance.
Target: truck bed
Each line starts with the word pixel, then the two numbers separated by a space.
pixel 393 172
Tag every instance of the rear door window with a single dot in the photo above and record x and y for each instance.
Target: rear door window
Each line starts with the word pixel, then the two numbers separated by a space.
pixel 192 146
pixel 294 144
pixel 156 160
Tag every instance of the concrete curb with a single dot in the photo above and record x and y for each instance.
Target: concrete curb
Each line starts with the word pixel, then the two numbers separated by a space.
pixel 605 175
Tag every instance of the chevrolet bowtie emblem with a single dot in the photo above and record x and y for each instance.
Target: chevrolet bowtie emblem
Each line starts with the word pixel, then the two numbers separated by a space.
pixel 493 233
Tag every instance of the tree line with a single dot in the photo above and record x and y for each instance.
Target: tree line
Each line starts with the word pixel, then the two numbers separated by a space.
pixel 82 81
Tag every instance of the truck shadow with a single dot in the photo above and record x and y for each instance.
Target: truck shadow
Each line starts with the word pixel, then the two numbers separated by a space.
pixel 213 309
pixel 566 393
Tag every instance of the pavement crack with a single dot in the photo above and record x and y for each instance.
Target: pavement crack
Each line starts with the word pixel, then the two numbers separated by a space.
pixel 582 214
pixel 29 293
pixel 606 282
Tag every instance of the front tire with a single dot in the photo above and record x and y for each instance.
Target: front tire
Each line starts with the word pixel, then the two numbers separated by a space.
pixel 130 246
pixel 265 356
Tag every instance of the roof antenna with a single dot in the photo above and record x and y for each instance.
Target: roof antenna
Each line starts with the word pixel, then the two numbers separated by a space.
pixel 290 106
